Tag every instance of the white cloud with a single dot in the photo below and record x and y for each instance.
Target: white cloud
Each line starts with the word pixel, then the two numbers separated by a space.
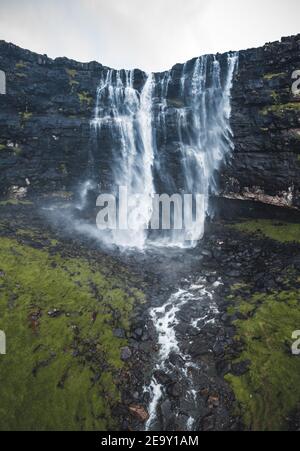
pixel 152 35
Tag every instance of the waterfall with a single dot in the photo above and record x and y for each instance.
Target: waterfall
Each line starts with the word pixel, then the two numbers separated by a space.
pixel 168 136
pixel 127 114
pixel 202 133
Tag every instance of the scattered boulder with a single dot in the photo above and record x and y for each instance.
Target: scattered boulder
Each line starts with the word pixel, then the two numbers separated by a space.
pixel 241 368
pixel 126 354
pixel 162 378
pixel 176 360
pixel 55 313
pixel 174 390
pixel 119 333
pixel 213 401
pixel 139 412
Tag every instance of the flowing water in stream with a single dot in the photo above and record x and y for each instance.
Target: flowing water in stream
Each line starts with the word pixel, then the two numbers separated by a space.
pixel 166 319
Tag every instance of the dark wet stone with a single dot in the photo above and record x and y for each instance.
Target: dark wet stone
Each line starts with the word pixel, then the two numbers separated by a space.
pixel 138 333
pixel 207 423
pixel 162 378
pixel 199 348
pixel 241 368
pixel 223 367
pixel 119 333
pixel 175 390
pixel 54 313
pixel 176 360
pixel 126 354
pixel 166 413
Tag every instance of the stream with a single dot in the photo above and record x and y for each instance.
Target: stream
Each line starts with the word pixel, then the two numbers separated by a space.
pixel 174 365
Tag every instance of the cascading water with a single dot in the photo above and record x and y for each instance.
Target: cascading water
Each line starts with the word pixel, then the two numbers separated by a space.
pixel 198 298
pixel 170 136
pixel 128 116
pixel 201 132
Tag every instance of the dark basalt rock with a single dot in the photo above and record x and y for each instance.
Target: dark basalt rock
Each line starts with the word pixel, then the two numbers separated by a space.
pixel 266 131
pixel 126 354
pixel 174 390
pixel 45 139
pixel 240 368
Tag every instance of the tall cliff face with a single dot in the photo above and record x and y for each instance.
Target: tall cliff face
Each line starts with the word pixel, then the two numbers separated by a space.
pixel 266 125
pixel 46 144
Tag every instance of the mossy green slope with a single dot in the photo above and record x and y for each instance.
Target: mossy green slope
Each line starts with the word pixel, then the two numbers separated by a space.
pixel 63 364
pixel 270 390
pixel 277 230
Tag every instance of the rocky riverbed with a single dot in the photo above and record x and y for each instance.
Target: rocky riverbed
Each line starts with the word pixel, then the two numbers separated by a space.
pixel 170 340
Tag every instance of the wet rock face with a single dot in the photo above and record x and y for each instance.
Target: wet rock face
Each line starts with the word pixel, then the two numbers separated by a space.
pixel 266 125
pixel 45 121
pixel 44 125
pixel 45 136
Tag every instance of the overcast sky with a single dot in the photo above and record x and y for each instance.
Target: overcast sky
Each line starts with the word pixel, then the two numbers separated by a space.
pixel 150 34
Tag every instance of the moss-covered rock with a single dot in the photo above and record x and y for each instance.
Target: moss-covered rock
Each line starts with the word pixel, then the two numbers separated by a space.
pixel 63 368
pixel 85 98
pixel 270 76
pixel 279 231
pixel 281 109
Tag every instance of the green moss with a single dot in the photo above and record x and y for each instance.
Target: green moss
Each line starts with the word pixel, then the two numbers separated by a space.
pixel 18 151
pixel 239 286
pixel 21 75
pixel 279 231
pixel 270 76
pixel 63 169
pixel 4 203
pixel 24 117
pixel 85 98
pixel 21 65
pixel 240 305
pixel 270 390
pixel 281 109
pixel 73 83
pixel 275 96
pixel 12 148
pixel 71 72
pixel 60 372
pixel 65 195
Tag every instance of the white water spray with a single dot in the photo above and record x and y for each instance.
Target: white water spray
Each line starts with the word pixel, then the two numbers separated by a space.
pixel 165 320
pixel 142 127
pixel 128 116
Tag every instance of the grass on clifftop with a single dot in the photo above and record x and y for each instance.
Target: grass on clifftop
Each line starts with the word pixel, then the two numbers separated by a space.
pixel 270 390
pixel 277 230
pixel 63 364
